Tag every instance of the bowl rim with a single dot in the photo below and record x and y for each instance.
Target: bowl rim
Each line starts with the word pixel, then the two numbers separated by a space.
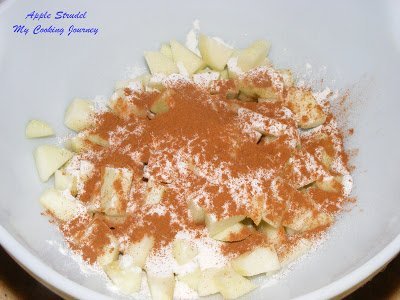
pixel 62 285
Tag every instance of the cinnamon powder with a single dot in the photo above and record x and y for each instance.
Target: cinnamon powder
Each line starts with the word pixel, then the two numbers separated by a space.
pixel 202 150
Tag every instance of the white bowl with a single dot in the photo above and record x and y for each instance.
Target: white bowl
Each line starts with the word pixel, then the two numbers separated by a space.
pixel 350 44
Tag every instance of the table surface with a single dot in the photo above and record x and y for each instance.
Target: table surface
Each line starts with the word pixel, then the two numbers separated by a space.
pixel 15 283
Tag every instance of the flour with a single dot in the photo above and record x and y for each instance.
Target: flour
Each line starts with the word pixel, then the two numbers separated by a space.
pixel 192 38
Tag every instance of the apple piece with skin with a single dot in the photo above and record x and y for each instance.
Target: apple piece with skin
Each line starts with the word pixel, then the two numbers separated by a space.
pixel 111 198
pixel 258 261
pixel 158 63
pixel 79 114
pixel 127 278
pixel 140 250
pixel 61 206
pixel 231 284
pixel 183 251
pixel 49 159
pixel 191 61
pixel 192 279
pixel 38 129
pixel 214 53
pixel 161 287
pixel 215 225
pixel 206 284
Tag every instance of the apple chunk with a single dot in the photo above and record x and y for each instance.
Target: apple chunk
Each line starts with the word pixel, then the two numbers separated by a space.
pixel 308 112
pixel 236 232
pixel 128 278
pixel 79 114
pixel 160 64
pixel 140 250
pixel 115 189
pixel 206 284
pixel 257 261
pixel 183 251
pixel 192 279
pixel 64 181
pixel 59 205
pixel 214 53
pixel 215 225
pixel 231 284
pixel 183 55
pixel 166 50
pixel 252 56
pixel 49 159
pixel 161 287
pixel 37 129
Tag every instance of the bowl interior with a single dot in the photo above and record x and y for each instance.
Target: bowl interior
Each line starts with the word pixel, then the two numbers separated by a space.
pixel 354 49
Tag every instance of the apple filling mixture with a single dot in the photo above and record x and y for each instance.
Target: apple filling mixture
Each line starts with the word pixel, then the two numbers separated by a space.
pixel 213 168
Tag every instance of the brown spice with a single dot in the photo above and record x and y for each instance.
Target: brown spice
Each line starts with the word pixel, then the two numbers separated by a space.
pixel 223 161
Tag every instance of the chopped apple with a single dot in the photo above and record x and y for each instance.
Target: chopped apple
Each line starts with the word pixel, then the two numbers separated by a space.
pixel 192 279
pixel 140 250
pixel 257 261
pixel 231 284
pixel 308 112
pixel 183 55
pixel 110 252
pixel 252 91
pixel 299 212
pixel 206 284
pixel 124 107
pixel 115 189
pixel 49 159
pixel 303 168
pixel 161 287
pixel 330 184
pixel 287 77
pixel 38 129
pixel 64 181
pixel 196 212
pixel 163 103
pixel 274 235
pixel 214 53
pixel 128 278
pixel 183 251
pixel 301 247
pixel 154 193
pixel 61 206
pixel 252 56
pixel 224 74
pixel 79 114
pixel 319 219
pixel 98 140
pixel 236 232
pixel 166 50
pixel 160 64
pixel 76 144
pixel 215 225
